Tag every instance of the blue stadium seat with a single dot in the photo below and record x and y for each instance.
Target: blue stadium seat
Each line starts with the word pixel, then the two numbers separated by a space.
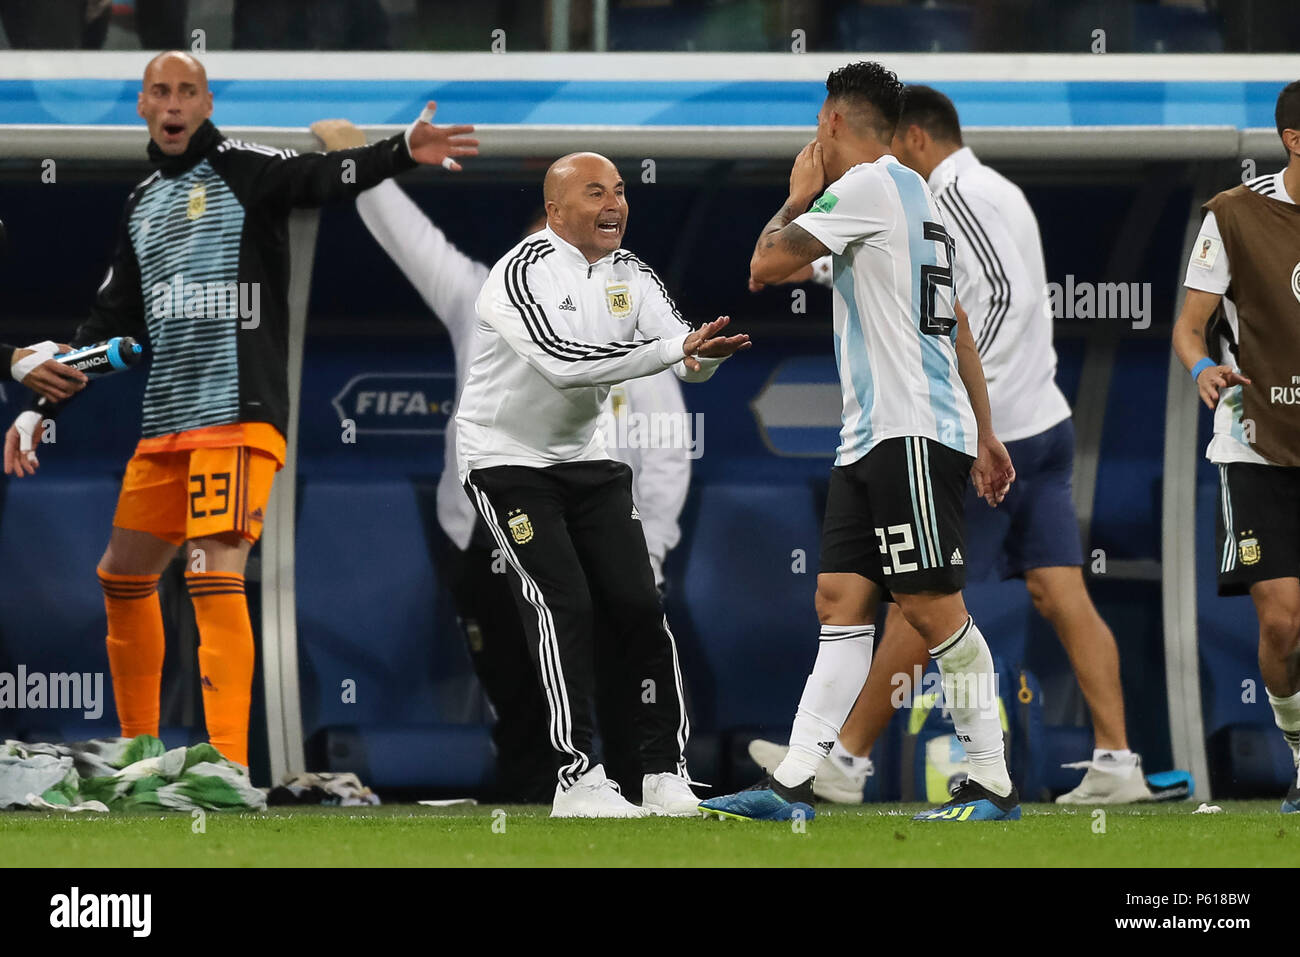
pixel 748 616
pixel 943 28
pixel 1126 505
pixel 52 533
pixel 370 611
pixel 440 758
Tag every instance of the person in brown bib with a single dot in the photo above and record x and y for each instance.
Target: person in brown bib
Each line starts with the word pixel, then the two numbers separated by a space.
pixel 1239 336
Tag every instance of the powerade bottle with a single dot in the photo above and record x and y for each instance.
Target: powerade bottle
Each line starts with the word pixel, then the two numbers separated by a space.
pixel 104 358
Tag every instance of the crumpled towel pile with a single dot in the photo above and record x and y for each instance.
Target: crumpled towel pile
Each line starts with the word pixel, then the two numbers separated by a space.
pixel 343 789
pixel 122 773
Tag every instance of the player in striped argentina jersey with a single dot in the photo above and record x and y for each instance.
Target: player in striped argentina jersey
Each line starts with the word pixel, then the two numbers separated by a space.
pixel 916 423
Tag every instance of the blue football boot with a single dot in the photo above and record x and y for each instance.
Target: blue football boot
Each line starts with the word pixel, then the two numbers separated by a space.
pixel 974 802
pixel 768 800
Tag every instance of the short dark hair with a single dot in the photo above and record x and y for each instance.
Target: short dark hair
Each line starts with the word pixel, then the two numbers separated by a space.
pixel 868 84
pixel 926 107
pixel 1287 113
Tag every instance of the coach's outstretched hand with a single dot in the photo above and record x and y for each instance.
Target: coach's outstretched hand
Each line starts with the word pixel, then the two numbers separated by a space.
pixel 702 342
pixel 436 145
pixel 20 445
pixel 992 472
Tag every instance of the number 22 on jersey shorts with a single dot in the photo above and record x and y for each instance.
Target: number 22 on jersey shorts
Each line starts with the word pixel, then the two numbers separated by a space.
pixel 896 517
pixel 194 493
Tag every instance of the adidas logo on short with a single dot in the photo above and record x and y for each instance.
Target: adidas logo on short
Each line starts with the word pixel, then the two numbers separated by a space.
pixel 568 305
pixel 826 745
pixel 956 557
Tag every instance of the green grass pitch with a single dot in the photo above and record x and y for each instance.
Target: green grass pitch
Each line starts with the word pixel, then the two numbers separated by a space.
pixel 1166 835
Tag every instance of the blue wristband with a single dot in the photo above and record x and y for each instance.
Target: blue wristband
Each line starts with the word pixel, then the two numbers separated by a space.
pixel 1206 363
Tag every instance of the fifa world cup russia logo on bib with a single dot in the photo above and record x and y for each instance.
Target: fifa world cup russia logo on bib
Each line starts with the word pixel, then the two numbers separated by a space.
pixel 1295 281
pixel 521 528
pixel 198 204
pixel 619 298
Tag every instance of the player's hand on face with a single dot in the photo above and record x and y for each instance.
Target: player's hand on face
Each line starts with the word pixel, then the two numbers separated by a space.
pixel 808 175
pixel 1214 379
pixel 706 342
pixel 53 380
pixel 992 472
pixel 432 144
pixel 17 462
pixel 338 134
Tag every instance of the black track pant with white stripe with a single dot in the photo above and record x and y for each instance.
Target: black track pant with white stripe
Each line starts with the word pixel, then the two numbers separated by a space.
pixel 575 547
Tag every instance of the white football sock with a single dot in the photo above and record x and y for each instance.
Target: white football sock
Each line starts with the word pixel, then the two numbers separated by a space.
pixel 1286 714
pixel 847 758
pixel 970 694
pixel 1123 759
pixel 843 660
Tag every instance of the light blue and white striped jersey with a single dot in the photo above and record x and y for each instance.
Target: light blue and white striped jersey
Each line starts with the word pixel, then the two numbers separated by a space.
pixel 895 328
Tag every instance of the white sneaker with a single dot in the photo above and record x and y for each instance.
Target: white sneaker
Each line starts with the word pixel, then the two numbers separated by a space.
pixel 835 781
pixel 669 795
pixel 593 795
pixel 1107 783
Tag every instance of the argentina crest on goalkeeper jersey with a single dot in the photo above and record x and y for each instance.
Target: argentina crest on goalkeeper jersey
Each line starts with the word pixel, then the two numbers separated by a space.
pixel 894 319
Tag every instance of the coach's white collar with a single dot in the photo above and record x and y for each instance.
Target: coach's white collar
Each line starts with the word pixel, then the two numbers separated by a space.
pixel 953 165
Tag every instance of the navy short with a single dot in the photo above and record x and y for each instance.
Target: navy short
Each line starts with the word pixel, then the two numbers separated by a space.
pixel 1257 533
pixel 895 517
pixel 1035 526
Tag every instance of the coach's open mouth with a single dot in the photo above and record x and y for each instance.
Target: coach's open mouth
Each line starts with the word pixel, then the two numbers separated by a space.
pixel 610 226
pixel 173 129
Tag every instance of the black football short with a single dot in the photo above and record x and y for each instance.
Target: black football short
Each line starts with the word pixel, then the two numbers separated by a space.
pixel 897 517
pixel 1257 532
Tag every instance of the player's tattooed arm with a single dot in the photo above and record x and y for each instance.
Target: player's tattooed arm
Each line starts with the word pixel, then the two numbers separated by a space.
pixel 784 247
